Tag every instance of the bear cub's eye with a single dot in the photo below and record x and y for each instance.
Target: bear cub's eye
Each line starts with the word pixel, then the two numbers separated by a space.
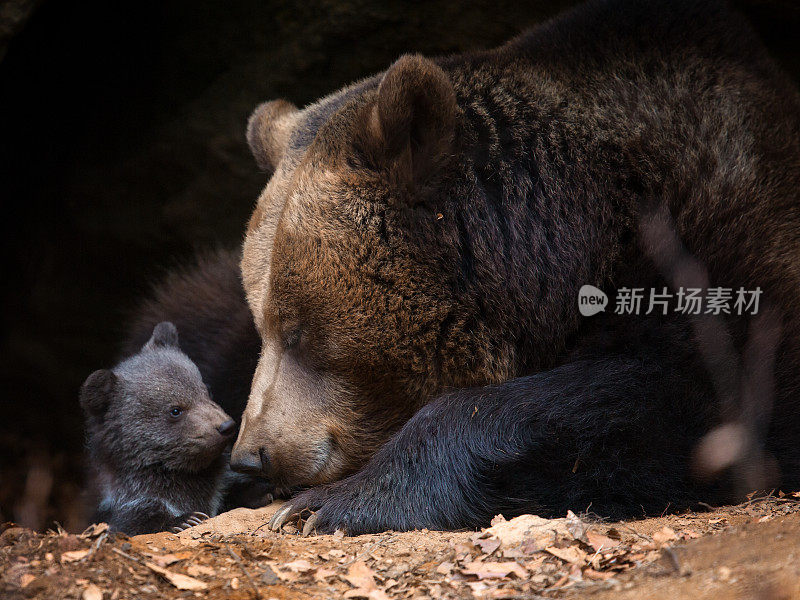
pixel 175 411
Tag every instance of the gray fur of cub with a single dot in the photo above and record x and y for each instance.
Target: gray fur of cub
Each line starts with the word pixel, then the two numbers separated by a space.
pixel 156 441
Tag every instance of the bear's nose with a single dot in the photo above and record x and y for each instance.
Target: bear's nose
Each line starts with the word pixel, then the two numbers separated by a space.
pixel 228 428
pixel 248 462
pixel 251 462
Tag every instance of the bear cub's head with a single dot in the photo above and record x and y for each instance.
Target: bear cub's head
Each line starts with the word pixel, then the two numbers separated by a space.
pixel 154 411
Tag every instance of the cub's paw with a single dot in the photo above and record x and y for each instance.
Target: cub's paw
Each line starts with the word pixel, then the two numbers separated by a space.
pixel 188 520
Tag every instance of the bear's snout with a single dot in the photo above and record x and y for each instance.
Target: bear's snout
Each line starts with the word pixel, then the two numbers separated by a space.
pixel 251 463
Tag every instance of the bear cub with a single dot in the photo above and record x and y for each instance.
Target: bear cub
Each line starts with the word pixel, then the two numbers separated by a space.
pixel 156 441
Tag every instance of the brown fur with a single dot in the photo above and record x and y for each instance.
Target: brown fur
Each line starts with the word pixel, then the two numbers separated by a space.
pixel 268 132
pixel 429 228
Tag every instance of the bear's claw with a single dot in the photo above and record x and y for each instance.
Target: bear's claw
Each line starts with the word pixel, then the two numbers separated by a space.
pixel 283 516
pixel 310 525
pixel 312 507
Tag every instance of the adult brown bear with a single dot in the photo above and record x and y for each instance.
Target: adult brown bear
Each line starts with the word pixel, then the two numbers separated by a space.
pixel 413 267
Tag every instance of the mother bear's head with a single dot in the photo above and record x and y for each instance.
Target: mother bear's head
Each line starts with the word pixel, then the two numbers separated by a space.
pixel 355 275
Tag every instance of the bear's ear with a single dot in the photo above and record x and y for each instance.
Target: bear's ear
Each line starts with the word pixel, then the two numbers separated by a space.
pixel 413 120
pixel 268 132
pixel 165 335
pixel 97 391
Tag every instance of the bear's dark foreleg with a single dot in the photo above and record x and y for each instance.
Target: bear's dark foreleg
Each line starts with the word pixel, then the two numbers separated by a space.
pixel 611 435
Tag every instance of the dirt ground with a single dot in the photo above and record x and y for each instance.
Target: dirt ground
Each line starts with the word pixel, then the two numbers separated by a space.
pixel 747 551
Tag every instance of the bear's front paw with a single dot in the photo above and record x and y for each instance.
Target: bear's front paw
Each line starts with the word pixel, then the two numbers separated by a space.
pixel 342 505
pixel 305 509
pixel 188 520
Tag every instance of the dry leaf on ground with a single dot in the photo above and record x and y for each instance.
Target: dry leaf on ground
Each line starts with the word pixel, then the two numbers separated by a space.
pixel 597 575
pixel 180 581
pixel 374 594
pixel 526 528
pixel 494 570
pixel 94 530
pixel 576 527
pixel 92 592
pixel 299 566
pixel 570 554
pixel 445 568
pixel 487 545
pixel 599 541
pixel 322 574
pixel 664 535
pixel 359 575
pixel 196 570
pixel 165 560
pixel 73 555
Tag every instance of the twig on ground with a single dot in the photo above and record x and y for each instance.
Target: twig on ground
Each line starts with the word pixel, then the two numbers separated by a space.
pixel 630 529
pixel 239 561
pixel 95 547
pixel 128 556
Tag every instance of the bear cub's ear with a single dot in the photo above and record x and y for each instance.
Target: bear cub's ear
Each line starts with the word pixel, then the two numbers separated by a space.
pixel 268 132
pixel 165 335
pixel 97 391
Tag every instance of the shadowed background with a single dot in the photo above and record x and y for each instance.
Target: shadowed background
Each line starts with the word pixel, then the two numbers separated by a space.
pixel 122 153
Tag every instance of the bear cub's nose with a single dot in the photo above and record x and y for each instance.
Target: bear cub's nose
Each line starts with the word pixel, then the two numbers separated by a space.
pixel 227 428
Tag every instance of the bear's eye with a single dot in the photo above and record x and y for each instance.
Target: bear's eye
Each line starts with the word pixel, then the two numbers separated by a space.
pixel 176 411
pixel 292 338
